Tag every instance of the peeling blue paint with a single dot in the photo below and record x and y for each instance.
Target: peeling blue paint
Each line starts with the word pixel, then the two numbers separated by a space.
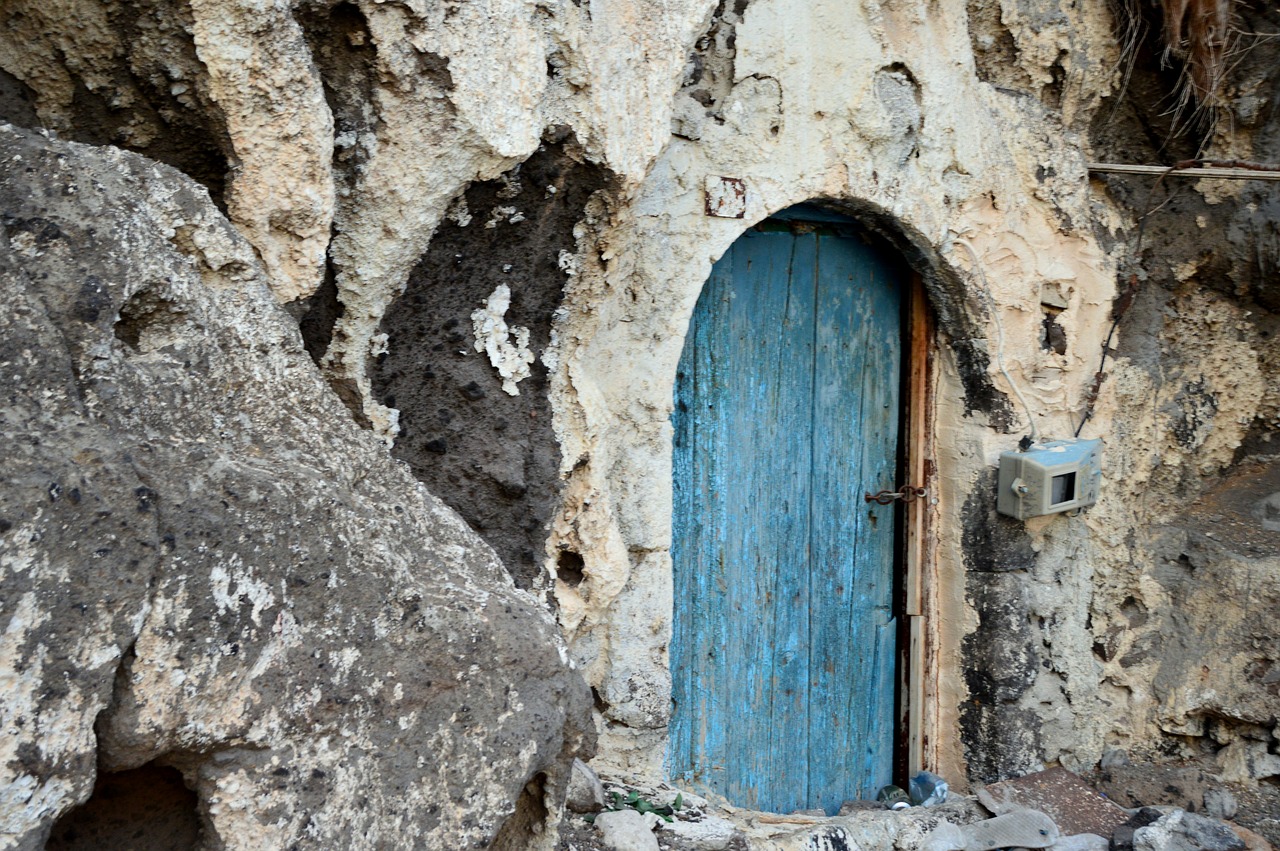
pixel 786 413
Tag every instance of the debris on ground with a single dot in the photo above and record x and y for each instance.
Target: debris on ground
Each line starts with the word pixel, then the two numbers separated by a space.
pixel 1073 804
pixel 1019 829
pixel 894 797
pixel 1054 809
pixel 928 789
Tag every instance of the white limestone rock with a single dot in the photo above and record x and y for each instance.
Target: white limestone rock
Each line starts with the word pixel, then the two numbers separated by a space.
pixel 626 830
pixel 710 833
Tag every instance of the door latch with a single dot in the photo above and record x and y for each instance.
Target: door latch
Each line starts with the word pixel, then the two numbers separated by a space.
pixel 906 493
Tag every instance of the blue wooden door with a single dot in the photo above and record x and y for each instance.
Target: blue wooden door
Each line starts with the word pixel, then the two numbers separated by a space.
pixel 783 646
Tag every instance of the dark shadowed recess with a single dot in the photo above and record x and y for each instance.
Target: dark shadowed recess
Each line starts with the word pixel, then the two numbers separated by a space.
pixel 17 101
pixel 344 55
pixel 491 456
pixel 163 119
pixel 318 314
pixel 528 819
pixel 145 809
pixel 342 49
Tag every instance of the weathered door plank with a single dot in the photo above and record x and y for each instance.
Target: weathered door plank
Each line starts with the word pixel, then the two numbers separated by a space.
pixel 855 428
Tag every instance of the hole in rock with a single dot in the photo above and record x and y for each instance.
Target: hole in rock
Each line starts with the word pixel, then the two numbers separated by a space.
pixel 149 102
pixel 570 567
pixel 527 821
pixel 17 101
pixel 1053 337
pixel 144 809
pixel 602 705
pixel 149 321
pixel 319 315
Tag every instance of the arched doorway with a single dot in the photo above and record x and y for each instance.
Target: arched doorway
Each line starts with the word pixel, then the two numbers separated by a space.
pixel 788 403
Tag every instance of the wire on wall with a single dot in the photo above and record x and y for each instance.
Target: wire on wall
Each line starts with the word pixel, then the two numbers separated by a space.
pixel 1186 168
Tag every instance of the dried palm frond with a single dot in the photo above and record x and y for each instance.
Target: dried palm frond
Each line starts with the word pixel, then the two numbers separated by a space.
pixel 1199 32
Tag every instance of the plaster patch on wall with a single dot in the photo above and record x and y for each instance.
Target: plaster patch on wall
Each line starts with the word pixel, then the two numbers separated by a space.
pixel 494 337
pixel 726 197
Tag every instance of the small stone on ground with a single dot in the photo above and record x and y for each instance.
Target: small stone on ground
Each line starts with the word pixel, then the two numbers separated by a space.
pixel 586 792
pixel 626 830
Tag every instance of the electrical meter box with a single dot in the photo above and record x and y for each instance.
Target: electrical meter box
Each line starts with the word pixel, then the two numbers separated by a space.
pixel 1049 478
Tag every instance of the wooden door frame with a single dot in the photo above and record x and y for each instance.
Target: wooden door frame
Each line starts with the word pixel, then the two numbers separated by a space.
pixel 917 659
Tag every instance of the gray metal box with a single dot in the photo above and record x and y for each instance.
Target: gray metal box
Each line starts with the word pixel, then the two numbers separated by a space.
pixel 1049 478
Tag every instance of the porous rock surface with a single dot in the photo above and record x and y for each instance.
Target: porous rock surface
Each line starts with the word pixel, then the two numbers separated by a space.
pixel 205 564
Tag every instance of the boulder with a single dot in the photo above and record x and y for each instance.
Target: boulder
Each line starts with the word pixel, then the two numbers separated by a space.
pixel 206 565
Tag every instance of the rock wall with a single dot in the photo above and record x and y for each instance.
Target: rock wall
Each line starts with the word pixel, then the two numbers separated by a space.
pixel 427 138
pixel 1188 669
